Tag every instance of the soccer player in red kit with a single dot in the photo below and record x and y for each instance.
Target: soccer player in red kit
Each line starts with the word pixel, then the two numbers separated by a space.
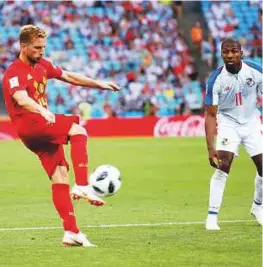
pixel 44 133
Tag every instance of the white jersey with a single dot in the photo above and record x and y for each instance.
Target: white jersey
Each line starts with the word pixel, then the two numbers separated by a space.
pixel 235 94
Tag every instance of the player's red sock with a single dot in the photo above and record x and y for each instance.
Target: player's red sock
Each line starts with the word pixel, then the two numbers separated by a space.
pixel 62 202
pixel 79 158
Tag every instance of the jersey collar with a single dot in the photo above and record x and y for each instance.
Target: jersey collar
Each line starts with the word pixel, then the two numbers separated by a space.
pixel 236 74
pixel 25 65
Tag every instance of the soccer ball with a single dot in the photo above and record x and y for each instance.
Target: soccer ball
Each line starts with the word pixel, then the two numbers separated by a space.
pixel 105 180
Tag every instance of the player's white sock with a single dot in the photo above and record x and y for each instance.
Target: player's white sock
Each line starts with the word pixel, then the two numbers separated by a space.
pixel 217 187
pixel 258 190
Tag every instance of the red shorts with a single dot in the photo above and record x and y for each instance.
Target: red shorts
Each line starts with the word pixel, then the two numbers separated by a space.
pixel 46 140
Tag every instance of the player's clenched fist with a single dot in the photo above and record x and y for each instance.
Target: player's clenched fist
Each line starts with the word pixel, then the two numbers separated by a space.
pixel 213 159
pixel 49 116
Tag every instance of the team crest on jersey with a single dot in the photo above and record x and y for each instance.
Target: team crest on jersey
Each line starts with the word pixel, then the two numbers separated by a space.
pixel 41 88
pixel 250 82
pixel 227 89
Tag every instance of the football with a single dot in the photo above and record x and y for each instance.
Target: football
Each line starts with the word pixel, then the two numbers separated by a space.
pixel 106 180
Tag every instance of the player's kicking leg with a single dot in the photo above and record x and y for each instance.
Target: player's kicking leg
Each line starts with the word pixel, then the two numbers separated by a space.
pixel 257 209
pixel 63 204
pixel 51 154
pixel 217 187
pixel 79 157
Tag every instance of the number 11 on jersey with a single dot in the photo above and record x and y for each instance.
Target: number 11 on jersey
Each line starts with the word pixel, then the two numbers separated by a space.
pixel 238 99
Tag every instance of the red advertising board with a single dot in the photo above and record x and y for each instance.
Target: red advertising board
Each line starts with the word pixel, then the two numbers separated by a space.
pixel 7 131
pixel 147 126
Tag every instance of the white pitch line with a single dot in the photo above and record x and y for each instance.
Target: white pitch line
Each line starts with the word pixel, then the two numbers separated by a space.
pixel 119 225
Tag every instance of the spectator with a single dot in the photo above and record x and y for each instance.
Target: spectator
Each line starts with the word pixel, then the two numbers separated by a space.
pixel 260 16
pixel 256 44
pixel 25 18
pixel 254 29
pixel 207 53
pixel 197 36
pixel 227 19
pixel 194 102
pixel 108 111
pixel 68 43
pixel 178 9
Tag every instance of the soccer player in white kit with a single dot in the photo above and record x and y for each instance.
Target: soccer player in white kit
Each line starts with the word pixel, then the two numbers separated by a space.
pixel 231 110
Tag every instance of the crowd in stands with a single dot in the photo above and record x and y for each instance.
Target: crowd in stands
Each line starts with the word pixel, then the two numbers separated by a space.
pixel 238 19
pixel 138 44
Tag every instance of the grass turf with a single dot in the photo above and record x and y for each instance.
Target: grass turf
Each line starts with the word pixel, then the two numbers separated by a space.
pixel 164 180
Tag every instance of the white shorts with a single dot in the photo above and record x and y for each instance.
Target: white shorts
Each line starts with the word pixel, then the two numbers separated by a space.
pixel 230 136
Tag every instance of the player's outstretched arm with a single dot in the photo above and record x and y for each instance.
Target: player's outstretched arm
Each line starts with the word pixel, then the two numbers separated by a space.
pixel 82 80
pixel 210 132
pixel 23 100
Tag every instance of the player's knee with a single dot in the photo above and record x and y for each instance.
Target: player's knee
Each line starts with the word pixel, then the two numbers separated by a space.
pixel 258 163
pixel 259 167
pixel 77 129
pixel 225 165
pixel 259 170
pixel 64 172
pixel 60 175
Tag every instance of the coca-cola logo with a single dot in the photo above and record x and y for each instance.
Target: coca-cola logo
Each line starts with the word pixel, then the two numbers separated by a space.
pixel 189 126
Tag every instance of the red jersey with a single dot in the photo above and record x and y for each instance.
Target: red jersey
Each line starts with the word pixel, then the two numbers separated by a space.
pixel 33 79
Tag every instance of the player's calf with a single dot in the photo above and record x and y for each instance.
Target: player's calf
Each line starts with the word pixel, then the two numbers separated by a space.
pixel 79 155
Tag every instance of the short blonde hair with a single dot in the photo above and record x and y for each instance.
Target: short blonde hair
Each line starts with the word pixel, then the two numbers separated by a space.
pixel 28 32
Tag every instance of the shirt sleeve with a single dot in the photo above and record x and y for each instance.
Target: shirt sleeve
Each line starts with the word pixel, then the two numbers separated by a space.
pixel 257 71
pixel 212 93
pixel 259 89
pixel 259 83
pixel 15 81
pixel 53 71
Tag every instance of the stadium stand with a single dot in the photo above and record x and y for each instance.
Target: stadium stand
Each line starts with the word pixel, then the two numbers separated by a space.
pixel 238 19
pixel 140 45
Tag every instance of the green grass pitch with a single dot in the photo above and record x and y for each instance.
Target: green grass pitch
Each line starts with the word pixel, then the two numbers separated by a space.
pixel 164 180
